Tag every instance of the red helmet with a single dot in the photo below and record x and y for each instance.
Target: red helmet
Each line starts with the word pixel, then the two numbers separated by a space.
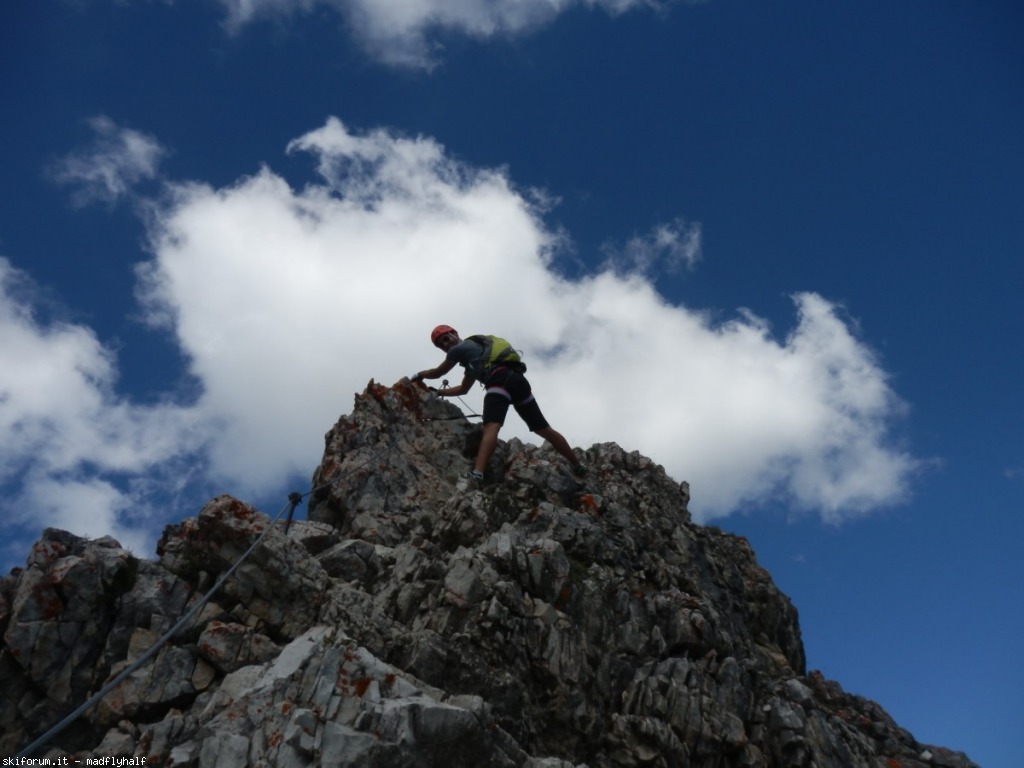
pixel 440 331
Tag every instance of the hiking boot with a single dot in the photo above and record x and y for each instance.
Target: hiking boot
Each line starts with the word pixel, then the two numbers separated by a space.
pixel 469 480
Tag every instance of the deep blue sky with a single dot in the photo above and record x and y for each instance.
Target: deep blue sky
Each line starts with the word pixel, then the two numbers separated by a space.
pixel 871 153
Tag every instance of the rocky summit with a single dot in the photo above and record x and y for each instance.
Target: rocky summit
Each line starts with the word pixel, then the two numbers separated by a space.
pixel 538 620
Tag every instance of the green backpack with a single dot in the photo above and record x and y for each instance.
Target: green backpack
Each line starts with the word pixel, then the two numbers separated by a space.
pixel 497 351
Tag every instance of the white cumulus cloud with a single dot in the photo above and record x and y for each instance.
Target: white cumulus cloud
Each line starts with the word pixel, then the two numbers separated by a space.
pixel 667 247
pixel 286 301
pixel 112 164
pixel 400 32
pixel 66 434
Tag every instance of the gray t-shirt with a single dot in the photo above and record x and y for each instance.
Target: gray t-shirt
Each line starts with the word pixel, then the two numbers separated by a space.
pixel 469 355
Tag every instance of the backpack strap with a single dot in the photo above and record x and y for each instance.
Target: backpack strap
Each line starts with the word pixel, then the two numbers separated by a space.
pixel 506 356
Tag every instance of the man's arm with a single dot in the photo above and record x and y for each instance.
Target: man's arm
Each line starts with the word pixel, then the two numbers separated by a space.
pixel 436 373
pixel 462 389
pixel 441 370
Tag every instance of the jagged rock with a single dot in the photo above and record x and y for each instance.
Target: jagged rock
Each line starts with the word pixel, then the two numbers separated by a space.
pixel 119 742
pixel 351 560
pixel 232 646
pixel 276 590
pixel 538 621
pixel 313 536
pixel 61 609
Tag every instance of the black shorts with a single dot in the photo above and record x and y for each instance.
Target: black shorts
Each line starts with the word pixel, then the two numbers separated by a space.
pixel 507 387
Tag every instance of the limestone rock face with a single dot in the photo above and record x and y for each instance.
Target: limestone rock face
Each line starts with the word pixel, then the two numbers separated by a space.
pixel 537 621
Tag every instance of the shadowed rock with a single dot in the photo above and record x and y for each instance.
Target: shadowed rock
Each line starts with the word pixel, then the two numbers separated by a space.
pixel 537 621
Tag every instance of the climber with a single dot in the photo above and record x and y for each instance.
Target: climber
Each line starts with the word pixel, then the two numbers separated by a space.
pixel 492 361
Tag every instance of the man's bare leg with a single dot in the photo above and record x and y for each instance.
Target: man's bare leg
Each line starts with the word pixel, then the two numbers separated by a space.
pixel 488 442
